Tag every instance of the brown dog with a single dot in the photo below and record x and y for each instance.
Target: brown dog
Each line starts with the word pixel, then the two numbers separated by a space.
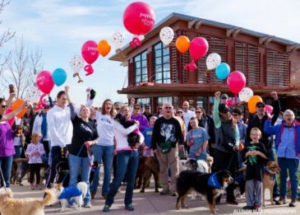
pixel 270 172
pixel 28 206
pixel 151 167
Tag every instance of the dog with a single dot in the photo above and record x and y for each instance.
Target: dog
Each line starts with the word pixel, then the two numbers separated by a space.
pixel 19 165
pixel 151 167
pixel 64 195
pixel 209 184
pixel 28 206
pixel 269 175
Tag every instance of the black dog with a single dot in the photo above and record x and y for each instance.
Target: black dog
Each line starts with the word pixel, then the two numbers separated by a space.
pixel 210 185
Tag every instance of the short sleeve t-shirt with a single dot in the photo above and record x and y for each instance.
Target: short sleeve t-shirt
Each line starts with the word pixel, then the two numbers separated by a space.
pixel 199 136
pixel 148 136
pixel 105 129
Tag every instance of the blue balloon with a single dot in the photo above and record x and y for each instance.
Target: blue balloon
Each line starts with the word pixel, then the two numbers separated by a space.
pixel 59 76
pixel 222 71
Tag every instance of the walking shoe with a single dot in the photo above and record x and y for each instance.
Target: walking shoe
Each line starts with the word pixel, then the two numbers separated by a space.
pixel 93 195
pixel 165 192
pixel 248 207
pixel 282 200
pixel 257 207
pixel 232 202
pixel 87 205
pixel 106 208
pixel 173 194
pixel 293 203
pixel 129 207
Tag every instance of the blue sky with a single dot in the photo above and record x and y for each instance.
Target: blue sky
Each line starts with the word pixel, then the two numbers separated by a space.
pixel 60 27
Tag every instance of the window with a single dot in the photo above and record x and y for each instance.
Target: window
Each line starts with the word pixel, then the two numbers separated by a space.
pixel 143 101
pixel 163 100
pixel 140 68
pixel 162 72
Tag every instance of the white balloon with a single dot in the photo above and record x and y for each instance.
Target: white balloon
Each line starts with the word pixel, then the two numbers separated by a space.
pixel 118 39
pixel 166 35
pixel 245 94
pixel 213 60
pixel 76 63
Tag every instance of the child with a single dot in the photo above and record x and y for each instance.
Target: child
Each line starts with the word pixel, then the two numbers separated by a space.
pixel 34 153
pixel 197 139
pixel 255 157
pixel 148 152
pixel 19 141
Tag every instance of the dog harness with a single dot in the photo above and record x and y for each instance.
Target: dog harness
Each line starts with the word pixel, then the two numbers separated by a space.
pixel 70 192
pixel 213 181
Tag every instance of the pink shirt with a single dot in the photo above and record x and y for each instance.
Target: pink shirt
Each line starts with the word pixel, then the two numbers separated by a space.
pixel 30 152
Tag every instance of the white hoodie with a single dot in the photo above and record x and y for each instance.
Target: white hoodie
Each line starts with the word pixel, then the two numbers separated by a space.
pixel 60 126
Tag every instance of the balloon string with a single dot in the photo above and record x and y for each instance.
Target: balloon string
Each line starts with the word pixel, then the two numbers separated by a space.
pixel 235 99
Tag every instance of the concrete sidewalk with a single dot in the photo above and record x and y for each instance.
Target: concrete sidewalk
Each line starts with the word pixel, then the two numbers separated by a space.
pixel 152 203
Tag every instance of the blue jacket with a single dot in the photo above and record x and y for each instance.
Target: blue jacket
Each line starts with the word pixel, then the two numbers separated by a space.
pixel 278 129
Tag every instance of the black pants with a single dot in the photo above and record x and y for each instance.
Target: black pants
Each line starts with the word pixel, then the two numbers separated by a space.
pixel 35 170
pixel 57 154
pixel 229 161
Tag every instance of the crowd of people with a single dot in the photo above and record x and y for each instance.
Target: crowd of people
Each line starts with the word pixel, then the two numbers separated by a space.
pixel 117 135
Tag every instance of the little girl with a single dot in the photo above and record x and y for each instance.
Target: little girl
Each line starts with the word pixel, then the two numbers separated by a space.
pixel 34 153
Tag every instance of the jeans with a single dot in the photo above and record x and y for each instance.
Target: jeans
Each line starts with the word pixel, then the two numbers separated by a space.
pixel 6 165
pixel 127 162
pixel 18 150
pixel 80 165
pixel 105 154
pixel 290 165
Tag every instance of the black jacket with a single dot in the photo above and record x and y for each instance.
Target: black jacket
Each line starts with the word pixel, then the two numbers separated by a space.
pixel 254 121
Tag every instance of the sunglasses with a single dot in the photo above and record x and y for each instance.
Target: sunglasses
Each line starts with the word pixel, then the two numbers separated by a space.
pixel 260 106
pixel 3 106
pixel 179 112
pixel 168 107
pixel 198 111
pixel 234 114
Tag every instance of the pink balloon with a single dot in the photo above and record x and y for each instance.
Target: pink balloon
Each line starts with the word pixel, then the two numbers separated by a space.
pixel 236 81
pixel 44 81
pixel 269 109
pixel 198 48
pixel 89 51
pixel 139 18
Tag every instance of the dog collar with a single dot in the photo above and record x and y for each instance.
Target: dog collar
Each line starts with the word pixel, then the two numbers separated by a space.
pixel 267 172
pixel 213 181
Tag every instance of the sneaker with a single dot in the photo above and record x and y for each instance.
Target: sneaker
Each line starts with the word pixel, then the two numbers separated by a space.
pixel 248 207
pixel 232 202
pixel 129 207
pixel 106 208
pixel 292 203
pixel 87 205
pixel 173 194
pixel 282 200
pixel 93 195
pixel 257 207
pixel 165 192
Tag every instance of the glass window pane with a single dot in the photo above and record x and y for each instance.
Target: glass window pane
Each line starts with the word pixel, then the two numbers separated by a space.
pixel 137 64
pixel 158 81
pixel 166 51
pixel 144 78
pixel 137 79
pixel 166 59
pixel 137 58
pixel 167 81
pixel 158 68
pixel 158 75
pixel 144 55
pixel 166 74
pixel 157 53
pixel 144 71
pixel 167 67
pixel 158 60
pixel 157 46
pixel 144 63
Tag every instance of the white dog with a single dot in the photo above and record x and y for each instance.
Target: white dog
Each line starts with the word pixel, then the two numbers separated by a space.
pixel 67 194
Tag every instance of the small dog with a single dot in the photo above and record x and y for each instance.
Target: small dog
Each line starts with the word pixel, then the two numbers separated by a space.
pixel 211 185
pixel 28 206
pixel 270 172
pixel 77 194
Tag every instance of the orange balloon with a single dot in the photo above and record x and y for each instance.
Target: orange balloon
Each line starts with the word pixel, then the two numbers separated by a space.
pixel 18 103
pixel 183 44
pixel 252 103
pixel 103 47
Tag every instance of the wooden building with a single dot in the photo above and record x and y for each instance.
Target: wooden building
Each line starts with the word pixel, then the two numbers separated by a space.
pixel 156 73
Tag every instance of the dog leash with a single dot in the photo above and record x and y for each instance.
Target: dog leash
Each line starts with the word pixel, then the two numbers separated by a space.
pixel 2 177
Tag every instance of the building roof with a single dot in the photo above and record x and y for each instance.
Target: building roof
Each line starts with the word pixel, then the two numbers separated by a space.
pixel 173 17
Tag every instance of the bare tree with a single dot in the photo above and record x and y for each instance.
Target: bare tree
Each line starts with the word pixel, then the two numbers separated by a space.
pixel 6 35
pixel 21 67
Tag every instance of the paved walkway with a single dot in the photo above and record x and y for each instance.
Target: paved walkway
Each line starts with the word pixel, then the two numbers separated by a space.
pixel 152 203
